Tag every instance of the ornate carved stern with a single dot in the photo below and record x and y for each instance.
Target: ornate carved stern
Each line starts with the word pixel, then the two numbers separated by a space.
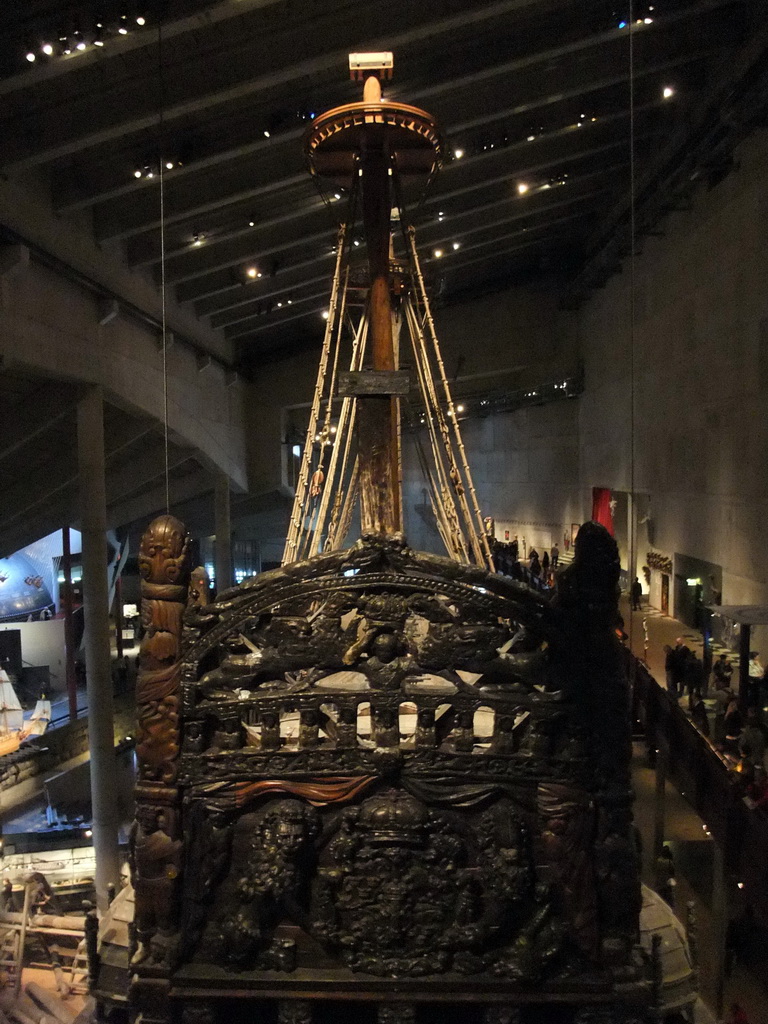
pixel 383 785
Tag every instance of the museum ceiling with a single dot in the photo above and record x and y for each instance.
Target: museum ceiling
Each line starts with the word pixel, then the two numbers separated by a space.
pixel 533 95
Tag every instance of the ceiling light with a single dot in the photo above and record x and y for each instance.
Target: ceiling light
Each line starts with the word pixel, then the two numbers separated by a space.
pixel 357 241
pixel 47 49
pixel 458 153
pixel 266 134
pixel 290 301
pixel 531 138
pixel 648 21
pixel 150 174
pixel 80 43
pixel 279 305
pixel 325 314
pixel 437 253
pixel 668 92
pixel 169 165
pixel 251 223
pixel 522 188
pixel 97 40
pixel 141 19
pixel 137 173
pixel 196 238
pixel 252 272
pixel 459 408
pixel 456 245
pixel 122 27
pixel 31 56
pixel 337 195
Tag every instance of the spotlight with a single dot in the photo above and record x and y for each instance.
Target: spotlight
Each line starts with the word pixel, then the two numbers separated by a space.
pixel 141 18
pixel 253 273
pixel 47 49
pixel 459 408
pixel 522 188
pixel 31 56
pixel 197 239
pixel 169 165
pixel 279 305
pixel 266 134
pixel 337 195
pixel 458 153
pixel 88 833
pixel 97 39
pixel 668 92
pixel 456 245
pixel 79 41
pixel 251 223
pixel 325 314
pixel 437 253
pixel 122 26
pixel 531 138
pixel 137 173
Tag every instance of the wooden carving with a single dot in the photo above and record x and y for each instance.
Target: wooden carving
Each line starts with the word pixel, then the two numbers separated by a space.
pixel 155 848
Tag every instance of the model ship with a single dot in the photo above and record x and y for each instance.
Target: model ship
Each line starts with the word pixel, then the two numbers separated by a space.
pixel 13 729
pixel 376 782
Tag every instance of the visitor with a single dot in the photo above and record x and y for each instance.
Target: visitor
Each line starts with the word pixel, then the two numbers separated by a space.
pixel 680 653
pixel 635 593
pixel 665 876
pixel 535 564
pixel 754 738
pixel 722 671
pixel 515 548
pixel 694 675
pixel 733 725
pixel 554 556
pixel 756 672
pixel 699 714
pixel 722 698
pixel 737 1015
pixel 757 789
pixel 544 565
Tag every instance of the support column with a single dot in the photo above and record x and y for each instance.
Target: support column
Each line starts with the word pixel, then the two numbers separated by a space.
pixel 69 624
pixel 745 642
pixel 93 518
pixel 719 922
pixel 223 526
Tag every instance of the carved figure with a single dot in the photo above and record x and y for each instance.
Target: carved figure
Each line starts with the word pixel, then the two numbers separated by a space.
pixel 385 670
pixel 155 864
pixel 272 851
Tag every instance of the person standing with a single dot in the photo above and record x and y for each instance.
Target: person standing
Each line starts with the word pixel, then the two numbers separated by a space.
pixel 515 548
pixel 699 714
pixel 722 671
pixel 554 556
pixel 545 565
pixel 636 592
pixel 755 678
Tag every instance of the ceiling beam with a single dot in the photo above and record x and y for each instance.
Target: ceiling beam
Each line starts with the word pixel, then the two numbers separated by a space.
pixel 223 174
pixel 97 122
pixel 121 46
pixel 38 413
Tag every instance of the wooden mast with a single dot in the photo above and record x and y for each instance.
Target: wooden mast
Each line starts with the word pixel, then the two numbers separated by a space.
pixel 378 435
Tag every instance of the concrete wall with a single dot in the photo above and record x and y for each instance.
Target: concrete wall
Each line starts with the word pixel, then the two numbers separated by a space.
pixel 700 380
pixel 525 467
pixel 50 326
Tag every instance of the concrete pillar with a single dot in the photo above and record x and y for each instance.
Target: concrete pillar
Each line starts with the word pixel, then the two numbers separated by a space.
pixel 93 518
pixel 223 526
pixel 69 626
pixel 719 921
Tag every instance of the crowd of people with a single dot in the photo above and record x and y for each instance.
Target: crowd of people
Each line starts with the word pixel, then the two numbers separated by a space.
pixel 740 733
pixel 514 558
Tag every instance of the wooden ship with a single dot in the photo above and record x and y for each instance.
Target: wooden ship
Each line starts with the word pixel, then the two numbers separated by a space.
pixel 377 784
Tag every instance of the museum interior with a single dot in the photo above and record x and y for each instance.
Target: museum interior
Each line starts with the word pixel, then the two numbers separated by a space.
pixel 383 596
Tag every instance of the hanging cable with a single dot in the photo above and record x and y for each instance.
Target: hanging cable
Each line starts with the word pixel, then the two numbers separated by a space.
pixel 632 233
pixel 163 299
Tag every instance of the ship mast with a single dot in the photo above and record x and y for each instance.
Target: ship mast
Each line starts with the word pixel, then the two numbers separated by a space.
pixel 377 420
pixel 382 154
